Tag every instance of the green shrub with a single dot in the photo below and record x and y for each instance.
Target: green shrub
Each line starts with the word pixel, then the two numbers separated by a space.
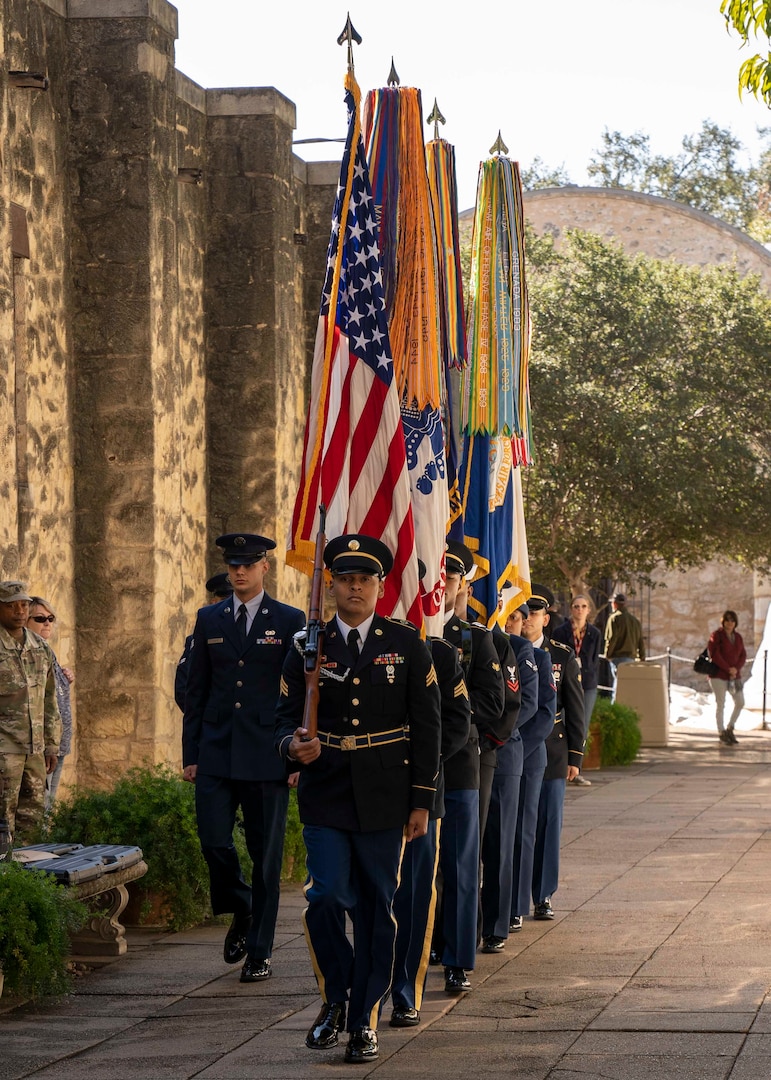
pixel 153 808
pixel 37 917
pixel 619 732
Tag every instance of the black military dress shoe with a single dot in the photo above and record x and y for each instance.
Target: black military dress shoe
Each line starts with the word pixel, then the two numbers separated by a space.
pixel 362 1045
pixel 455 981
pixel 543 910
pixel 493 944
pixel 255 969
pixel 235 939
pixel 402 1016
pixel 331 1019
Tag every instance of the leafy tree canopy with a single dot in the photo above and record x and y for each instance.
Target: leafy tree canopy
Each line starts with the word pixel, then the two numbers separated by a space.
pixel 540 175
pixel 752 19
pixel 650 384
pixel 707 174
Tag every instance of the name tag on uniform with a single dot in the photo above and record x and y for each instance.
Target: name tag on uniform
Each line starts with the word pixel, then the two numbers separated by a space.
pixel 214 640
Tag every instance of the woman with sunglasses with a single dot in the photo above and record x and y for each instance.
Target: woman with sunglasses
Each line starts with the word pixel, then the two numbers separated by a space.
pixel 41 621
pixel 585 641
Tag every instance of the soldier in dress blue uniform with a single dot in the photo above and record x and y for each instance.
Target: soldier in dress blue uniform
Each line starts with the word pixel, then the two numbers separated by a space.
pixel 234 669
pixel 415 901
pixel 218 588
pixel 564 750
pixel 367 784
pixel 500 831
pixel 455 933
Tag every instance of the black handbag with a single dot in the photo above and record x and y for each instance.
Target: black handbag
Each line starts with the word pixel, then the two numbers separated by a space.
pixel 702 665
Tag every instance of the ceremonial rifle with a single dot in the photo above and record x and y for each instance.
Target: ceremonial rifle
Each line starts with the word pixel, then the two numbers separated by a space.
pixel 314 634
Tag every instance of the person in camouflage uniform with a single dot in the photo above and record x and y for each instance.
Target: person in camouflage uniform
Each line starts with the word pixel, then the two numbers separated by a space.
pixel 30 725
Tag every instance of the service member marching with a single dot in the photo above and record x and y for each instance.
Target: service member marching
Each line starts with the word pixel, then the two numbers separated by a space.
pixel 367 784
pixel 564 749
pixel 234 668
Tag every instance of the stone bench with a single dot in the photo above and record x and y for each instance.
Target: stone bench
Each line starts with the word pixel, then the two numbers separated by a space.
pixel 98 873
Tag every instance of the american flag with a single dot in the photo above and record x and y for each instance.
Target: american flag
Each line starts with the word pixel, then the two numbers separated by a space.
pixel 354 458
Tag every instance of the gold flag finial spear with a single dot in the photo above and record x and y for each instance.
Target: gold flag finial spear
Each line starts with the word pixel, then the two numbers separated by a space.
pixel 349 34
pixel 499 146
pixel 393 77
pixel 435 118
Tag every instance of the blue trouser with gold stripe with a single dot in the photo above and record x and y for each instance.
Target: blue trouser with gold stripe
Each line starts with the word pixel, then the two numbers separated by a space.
pixel 356 873
pixel 414 907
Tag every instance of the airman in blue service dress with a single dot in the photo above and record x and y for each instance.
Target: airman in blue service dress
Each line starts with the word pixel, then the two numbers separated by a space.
pixel 367 784
pixel 234 669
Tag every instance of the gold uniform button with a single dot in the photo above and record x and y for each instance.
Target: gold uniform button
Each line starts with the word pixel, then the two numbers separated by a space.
pixel 354 701
pixel 406 761
pixel 356 681
pixel 239 684
pixel 355 723
pixel 240 663
pixel 237 705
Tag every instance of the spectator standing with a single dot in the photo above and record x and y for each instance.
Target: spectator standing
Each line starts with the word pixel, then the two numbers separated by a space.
pixel 41 621
pixel 624 641
pixel 585 640
pixel 726 649
pixel 30 725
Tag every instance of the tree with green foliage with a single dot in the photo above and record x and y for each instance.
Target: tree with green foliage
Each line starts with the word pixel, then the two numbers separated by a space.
pixel 752 18
pixel 650 385
pixel 540 175
pixel 706 174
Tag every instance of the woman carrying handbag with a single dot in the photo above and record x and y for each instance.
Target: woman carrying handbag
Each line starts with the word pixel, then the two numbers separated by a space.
pixel 726 650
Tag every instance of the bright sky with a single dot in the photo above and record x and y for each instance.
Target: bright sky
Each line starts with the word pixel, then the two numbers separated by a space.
pixel 551 74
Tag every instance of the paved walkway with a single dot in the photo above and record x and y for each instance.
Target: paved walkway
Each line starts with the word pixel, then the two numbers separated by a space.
pixel 657 965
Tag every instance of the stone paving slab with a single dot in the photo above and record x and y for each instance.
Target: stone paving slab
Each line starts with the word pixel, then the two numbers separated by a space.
pixel 629 1066
pixel 658 964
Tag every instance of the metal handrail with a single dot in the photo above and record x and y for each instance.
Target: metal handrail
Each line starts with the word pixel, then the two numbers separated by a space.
pixel 669 656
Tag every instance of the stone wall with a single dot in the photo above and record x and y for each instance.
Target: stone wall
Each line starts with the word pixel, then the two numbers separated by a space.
pixel 36 448
pixel 154 347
